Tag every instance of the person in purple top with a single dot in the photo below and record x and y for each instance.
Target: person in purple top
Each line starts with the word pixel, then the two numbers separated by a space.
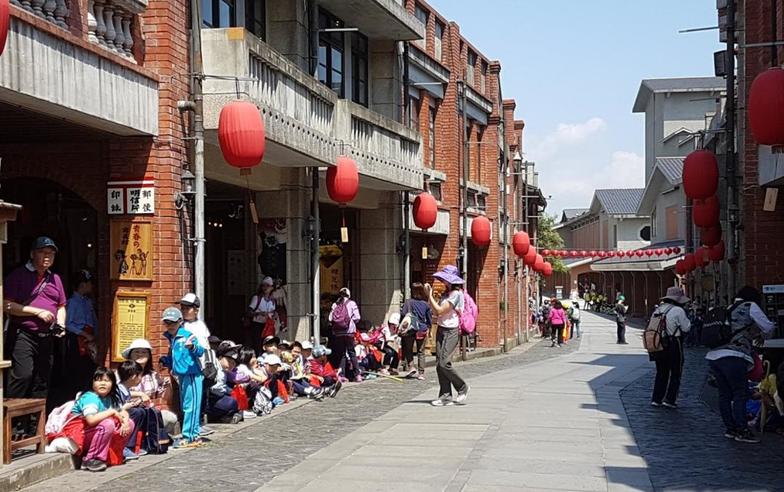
pixel 35 303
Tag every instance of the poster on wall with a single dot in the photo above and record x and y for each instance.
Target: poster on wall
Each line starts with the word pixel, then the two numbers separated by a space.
pixel 129 320
pixel 130 244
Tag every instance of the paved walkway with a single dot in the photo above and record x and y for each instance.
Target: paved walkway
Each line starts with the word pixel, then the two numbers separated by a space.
pixel 554 424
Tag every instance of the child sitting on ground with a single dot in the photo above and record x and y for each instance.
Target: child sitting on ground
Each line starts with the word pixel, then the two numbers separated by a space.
pixel 104 421
pixel 322 372
pixel 130 375
pixel 298 379
pixel 221 406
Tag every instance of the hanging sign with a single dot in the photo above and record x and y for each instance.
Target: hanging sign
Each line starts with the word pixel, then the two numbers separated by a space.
pixel 130 246
pixel 133 197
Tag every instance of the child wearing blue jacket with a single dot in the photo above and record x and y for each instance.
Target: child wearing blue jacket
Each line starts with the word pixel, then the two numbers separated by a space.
pixel 184 364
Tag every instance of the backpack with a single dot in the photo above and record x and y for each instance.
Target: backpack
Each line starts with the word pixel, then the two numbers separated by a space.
pixel 468 315
pixel 655 332
pixel 340 316
pixel 210 369
pixel 59 417
pixel 262 403
pixel 716 330
pixel 156 438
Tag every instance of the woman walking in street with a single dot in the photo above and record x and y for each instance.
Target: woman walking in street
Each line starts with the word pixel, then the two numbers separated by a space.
pixel 620 319
pixel 731 362
pixel 557 322
pixel 421 313
pixel 448 335
pixel 669 362
pixel 343 318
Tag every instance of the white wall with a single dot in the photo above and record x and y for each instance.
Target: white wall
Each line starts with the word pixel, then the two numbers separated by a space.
pixel 629 232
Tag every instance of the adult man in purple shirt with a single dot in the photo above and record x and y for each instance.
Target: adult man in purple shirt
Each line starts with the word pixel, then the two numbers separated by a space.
pixel 35 302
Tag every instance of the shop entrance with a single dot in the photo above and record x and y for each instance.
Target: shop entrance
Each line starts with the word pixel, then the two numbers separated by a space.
pixel 339 260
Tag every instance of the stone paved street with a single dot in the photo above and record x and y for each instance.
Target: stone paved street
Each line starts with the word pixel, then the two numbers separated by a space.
pixel 575 418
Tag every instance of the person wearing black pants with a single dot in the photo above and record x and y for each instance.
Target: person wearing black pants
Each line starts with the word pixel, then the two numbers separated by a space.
pixel 344 349
pixel 669 362
pixel 620 319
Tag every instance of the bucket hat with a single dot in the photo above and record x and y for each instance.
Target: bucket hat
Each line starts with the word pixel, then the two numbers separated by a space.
pixel 449 274
pixel 139 343
pixel 676 295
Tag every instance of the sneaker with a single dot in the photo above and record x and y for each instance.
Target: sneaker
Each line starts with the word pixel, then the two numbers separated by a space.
pixel 247 414
pixel 746 436
pixel 669 405
pixel 183 443
pixel 655 404
pixel 205 431
pixel 394 372
pixel 730 434
pixel 421 377
pixel 129 455
pixel 237 418
pixel 383 372
pixel 411 373
pixel 461 396
pixel 443 401
pixel 94 465
pixel 334 390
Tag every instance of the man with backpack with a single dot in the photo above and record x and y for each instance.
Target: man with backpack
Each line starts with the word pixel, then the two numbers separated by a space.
pixel 574 317
pixel 663 338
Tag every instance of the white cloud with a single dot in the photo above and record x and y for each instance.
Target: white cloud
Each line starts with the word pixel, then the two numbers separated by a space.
pixel 566 134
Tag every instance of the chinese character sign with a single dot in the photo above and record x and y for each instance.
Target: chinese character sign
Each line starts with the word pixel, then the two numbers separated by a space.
pixel 140 200
pixel 115 204
pixel 130 197
pixel 131 250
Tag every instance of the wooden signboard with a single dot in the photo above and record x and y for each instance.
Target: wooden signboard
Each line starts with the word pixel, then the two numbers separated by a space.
pixel 131 248
pixel 130 317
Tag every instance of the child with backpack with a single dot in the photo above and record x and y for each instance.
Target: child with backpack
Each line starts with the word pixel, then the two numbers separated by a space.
pixel 448 311
pixel 663 338
pixel 420 314
pixel 343 318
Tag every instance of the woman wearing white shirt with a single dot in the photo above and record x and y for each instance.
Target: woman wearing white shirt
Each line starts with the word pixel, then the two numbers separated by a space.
pixel 669 362
pixel 261 312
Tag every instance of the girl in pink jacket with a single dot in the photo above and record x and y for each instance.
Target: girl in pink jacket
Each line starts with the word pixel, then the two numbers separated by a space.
pixel 557 322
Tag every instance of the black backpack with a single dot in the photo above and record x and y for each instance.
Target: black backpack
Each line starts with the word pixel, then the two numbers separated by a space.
pixel 716 330
pixel 156 438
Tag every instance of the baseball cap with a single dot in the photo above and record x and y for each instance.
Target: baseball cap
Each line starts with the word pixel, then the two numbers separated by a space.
pixel 43 242
pixel 284 343
pixel 171 313
pixel 267 281
pixel 190 299
pixel 271 340
pixel 272 359
pixel 306 345
pixel 320 350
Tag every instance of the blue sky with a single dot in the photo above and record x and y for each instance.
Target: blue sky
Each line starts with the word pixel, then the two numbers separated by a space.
pixel 574 68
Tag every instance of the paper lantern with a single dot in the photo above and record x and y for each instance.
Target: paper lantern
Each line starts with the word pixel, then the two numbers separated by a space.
pixel 546 252
pixel 602 254
pixel 649 252
pixel 700 257
pixel 705 213
pixel 667 251
pixel 521 242
pixel 766 107
pixel 583 254
pixel 343 180
pixel 5 23
pixel 676 250
pixel 574 254
pixel 530 256
pixel 680 267
pixel 630 253
pixel 710 235
pixel 621 254
pixel 639 253
pixel 700 175
pixel 241 134
pixel 659 252
pixel 425 210
pixel 548 269
pixel 716 252
pixel 611 254
pixel 480 231
pixel 689 263
pixel 539 264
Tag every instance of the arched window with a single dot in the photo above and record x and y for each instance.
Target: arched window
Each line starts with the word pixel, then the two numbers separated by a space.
pixel 645 233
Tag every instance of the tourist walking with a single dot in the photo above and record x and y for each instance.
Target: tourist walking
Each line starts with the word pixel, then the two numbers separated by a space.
pixel 620 318
pixel 731 362
pixel 557 322
pixel 421 314
pixel 344 317
pixel 669 361
pixel 448 335
pixel 574 317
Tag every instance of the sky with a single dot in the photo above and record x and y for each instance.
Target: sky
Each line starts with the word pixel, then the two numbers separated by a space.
pixel 574 67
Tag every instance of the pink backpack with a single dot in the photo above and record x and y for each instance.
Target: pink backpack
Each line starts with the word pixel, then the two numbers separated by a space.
pixel 468 315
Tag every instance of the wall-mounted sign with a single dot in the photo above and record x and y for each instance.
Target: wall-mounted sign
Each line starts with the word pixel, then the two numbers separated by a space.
pixel 130 246
pixel 129 320
pixel 130 197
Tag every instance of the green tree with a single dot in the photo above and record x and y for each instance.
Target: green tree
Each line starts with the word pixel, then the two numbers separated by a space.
pixel 547 238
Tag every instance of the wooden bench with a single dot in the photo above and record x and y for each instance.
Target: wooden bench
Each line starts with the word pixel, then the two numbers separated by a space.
pixel 20 407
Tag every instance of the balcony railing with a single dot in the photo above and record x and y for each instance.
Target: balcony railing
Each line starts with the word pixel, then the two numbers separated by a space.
pixel 55 11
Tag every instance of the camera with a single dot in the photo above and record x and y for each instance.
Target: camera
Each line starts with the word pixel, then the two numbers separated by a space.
pixel 57 330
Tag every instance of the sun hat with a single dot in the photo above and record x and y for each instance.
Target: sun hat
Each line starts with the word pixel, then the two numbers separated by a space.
pixel 344 291
pixel 268 281
pixel 272 359
pixel 139 343
pixel 271 340
pixel 306 345
pixel 320 350
pixel 449 274
pixel 676 295
pixel 171 313
pixel 43 242
pixel 190 299
pixel 394 319
pixel 227 348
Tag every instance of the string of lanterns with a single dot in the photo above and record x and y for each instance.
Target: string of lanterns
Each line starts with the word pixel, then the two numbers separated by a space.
pixel 639 253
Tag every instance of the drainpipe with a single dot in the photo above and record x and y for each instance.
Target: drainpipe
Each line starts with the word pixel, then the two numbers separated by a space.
pixel 732 186
pixel 315 259
pixel 198 158
pixel 406 277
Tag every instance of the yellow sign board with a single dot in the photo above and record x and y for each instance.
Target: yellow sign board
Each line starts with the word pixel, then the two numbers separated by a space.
pixel 131 249
pixel 129 320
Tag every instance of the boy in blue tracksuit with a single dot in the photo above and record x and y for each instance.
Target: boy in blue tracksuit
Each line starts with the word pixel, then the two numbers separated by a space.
pixel 184 364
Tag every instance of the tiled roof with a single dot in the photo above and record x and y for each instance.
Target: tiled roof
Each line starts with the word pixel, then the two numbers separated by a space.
pixel 672 168
pixel 620 201
pixel 570 213
pixel 685 84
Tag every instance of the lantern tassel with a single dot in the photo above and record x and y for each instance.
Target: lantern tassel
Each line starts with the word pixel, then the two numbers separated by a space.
pixel 343 228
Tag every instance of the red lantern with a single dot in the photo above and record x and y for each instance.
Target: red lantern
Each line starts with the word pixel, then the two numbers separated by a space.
pixel 521 243
pixel 689 262
pixel 530 256
pixel 539 264
pixel 668 251
pixel 241 134
pixel 699 257
pixel 343 180
pixel 700 175
pixel 710 235
pixel 602 254
pixel 649 252
pixel 630 253
pixel 480 232
pixel 621 254
pixel 592 254
pixel 716 253
pixel 705 213
pixel 639 253
pixel 611 254
pixel 548 269
pixel 676 250
pixel 546 252
pixel 425 211
pixel 583 253
pixel 766 107
pixel 680 267
pixel 659 252
pixel 5 22
pixel 574 254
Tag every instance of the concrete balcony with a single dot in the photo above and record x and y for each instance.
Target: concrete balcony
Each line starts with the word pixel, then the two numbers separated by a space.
pixel 378 19
pixel 306 123
pixel 49 69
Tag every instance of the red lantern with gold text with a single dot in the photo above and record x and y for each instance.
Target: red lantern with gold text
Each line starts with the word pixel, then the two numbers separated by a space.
pixel 241 135
pixel 530 257
pixel 480 232
pixel 425 210
pixel 521 242
pixel 716 252
pixel 548 269
pixel 710 235
pixel 705 213
pixel 5 22
pixel 689 263
pixel 700 175
pixel 766 107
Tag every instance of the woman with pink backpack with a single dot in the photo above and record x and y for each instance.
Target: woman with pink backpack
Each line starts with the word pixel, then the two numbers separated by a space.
pixel 343 318
pixel 448 311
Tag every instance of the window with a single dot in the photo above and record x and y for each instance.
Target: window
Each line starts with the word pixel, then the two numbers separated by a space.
pixel 470 67
pixel 471 199
pixel 330 53
pixel 481 202
pixel 438 40
pixel 615 236
pixel 435 190
pixel 218 13
pixel 421 14
pixel 653 223
pixel 431 133
pixel 645 233
pixel 256 17
pixel 359 69
pixel 413 113
pixel 483 77
pixel 480 132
